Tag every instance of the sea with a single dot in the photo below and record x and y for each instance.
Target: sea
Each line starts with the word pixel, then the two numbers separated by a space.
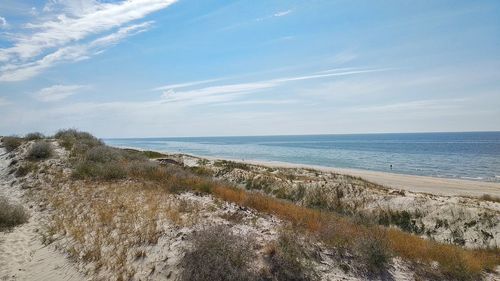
pixel 464 155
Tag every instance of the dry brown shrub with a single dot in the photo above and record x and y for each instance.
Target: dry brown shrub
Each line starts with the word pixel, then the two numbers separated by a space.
pixel 218 254
pixel 11 214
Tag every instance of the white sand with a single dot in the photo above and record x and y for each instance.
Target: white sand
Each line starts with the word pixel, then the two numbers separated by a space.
pixel 22 254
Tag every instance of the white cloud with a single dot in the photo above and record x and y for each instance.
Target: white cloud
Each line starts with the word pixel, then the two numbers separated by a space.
pixel 185 85
pixel 74 7
pixel 213 93
pixel 72 53
pixel 417 105
pixel 67 24
pixel 3 22
pixel 228 92
pixel 57 92
pixel 282 13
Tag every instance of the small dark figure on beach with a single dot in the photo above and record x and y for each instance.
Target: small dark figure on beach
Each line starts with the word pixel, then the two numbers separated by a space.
pixel 391 166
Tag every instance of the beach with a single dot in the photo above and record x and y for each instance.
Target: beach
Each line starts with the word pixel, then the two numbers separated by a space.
pixel 423 184
pixel 413 183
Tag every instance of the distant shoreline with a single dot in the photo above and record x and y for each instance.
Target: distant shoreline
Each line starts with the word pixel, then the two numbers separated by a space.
pixel 414 183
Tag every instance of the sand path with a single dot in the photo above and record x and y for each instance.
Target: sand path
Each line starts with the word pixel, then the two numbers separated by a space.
pixel 22 255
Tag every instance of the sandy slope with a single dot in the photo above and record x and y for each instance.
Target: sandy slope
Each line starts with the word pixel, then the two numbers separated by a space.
pixel 22 255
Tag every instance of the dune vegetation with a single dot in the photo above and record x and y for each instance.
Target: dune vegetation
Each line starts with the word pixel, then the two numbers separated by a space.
pixel 114 200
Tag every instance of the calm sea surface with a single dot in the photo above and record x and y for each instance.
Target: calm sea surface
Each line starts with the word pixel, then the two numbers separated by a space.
pixel 452 155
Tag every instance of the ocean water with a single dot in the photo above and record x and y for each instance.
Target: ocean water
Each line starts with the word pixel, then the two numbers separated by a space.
pixel 469 155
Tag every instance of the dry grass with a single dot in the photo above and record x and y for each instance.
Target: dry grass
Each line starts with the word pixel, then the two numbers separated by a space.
pixel 334 230
pixel 104 221
pixel 454 262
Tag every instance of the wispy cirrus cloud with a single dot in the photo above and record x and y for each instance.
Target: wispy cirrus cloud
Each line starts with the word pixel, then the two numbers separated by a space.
pixel 184 85
pixel 72 53
pixel 62 33
pixel 230 92
pixel 57 92
pixel 282 13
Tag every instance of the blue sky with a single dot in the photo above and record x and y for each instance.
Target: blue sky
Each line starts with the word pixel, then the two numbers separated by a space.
pixel 141 68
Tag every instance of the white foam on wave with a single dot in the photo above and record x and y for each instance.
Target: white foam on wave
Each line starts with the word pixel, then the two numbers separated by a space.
pixel 473 178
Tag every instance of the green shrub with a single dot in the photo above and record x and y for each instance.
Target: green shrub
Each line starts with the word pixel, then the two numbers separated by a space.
pixel 147 170
pixel 69 137
pixel 34 136
pixel 11 143
pixel 317 198
pixel 217 254
pixel 373 251
pixel 11 214
pixel 40 150
pixel 403 219
pixel 102 171
pixel 153 154
pixel 287 260
pixel 103 154
pixel 81 146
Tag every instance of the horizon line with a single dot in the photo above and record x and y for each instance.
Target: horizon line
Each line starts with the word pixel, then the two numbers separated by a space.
pixel 296 135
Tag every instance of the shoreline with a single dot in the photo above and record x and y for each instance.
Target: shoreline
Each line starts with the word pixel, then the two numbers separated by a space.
pixel 413 183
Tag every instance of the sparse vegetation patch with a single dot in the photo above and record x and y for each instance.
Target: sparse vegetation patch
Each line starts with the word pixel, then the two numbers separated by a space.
pixel 40 150
pixel 11 214
pixel 34 136
pixel 218 254
pixel 11 143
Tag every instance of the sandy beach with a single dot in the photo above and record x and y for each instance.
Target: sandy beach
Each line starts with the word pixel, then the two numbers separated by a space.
pixel 423 184
pixel 432 185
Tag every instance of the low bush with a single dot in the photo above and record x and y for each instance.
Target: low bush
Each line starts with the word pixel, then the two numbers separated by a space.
pixel 40 150
pixel 69 137
pixel 11 214
pixel 147 170
pixel 403 219
pixel 153 154
pixel 25 169
pixel 287 260
pixel 218 254
pixel 101 171
pixel 488 197
pixel 34 136
pixel 11 143
pixel 103 154
pixel 373 250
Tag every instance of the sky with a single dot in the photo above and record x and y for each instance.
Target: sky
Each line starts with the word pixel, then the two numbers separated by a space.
pixel 165 68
